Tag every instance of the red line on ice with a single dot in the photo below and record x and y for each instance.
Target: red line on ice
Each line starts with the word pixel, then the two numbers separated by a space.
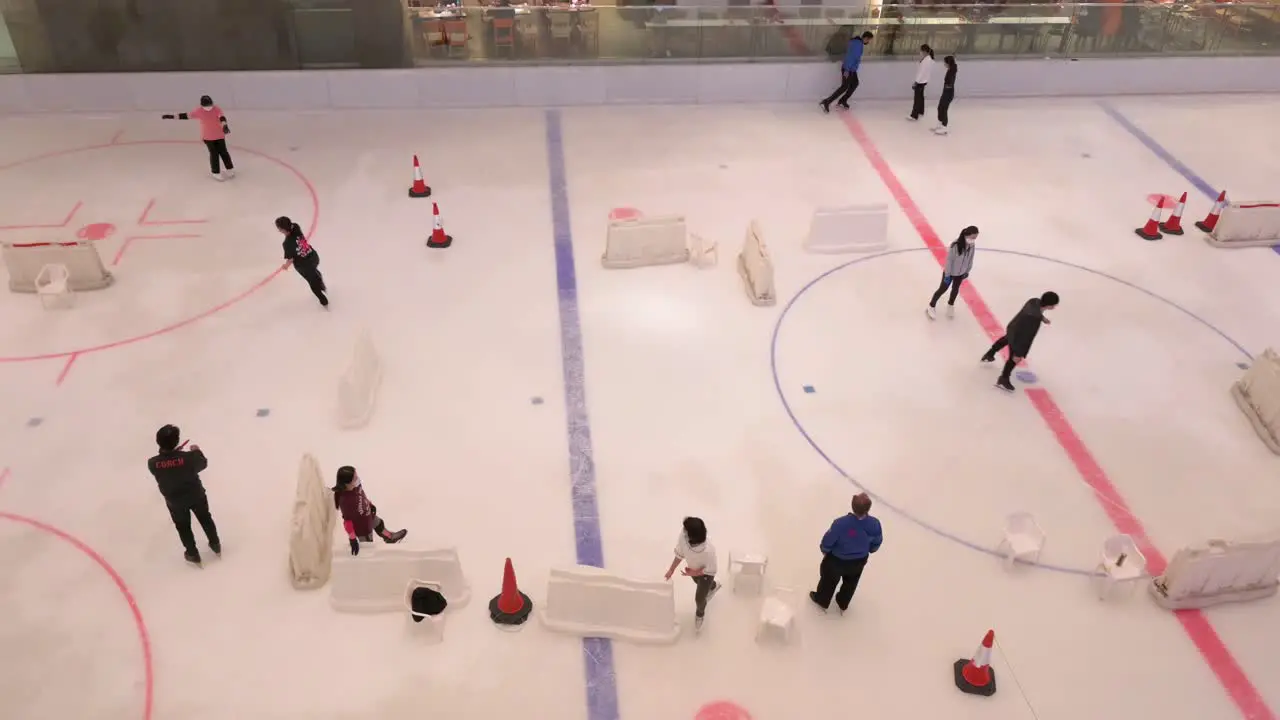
pixel 65 222
pixel 128 240
pixel 140 625
pixel 142 219
pixel 1215 653
pixel 66 369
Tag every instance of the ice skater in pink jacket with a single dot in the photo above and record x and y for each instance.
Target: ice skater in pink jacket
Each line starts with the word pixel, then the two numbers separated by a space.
pixel 214 131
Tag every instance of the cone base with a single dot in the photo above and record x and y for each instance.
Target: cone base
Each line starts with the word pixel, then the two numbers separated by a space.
pixel 510 618
pixel 448 240
pixel 1204 226
pixel 966 687
pixel 416 193
pixel 1171 230
pixel 1142 233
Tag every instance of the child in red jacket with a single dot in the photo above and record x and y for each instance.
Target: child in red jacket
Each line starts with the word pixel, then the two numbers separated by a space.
pixel 359 516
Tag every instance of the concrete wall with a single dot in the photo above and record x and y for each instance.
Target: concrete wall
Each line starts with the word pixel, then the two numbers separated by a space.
pixel 497 86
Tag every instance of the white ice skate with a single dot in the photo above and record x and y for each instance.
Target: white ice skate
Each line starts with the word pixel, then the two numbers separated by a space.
pixel 951 311
pixel 931 311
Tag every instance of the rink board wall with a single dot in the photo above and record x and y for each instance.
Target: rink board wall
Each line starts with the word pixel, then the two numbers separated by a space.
pixel 515 85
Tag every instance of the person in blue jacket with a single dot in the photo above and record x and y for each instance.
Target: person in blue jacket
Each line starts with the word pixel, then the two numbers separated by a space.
pixel 848 72
pixel 845 549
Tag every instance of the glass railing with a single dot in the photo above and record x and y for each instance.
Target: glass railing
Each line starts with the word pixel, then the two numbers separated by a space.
pixel 177 35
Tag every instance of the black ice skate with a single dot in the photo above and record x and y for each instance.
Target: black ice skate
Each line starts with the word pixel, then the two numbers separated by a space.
pixel 988 358
pixel 826 107
pixel 216 548
pixel 391 538
pixel 843 105
pixel 1005 385
pixel 193 559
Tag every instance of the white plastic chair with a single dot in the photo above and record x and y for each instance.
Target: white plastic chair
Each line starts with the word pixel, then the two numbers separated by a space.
pixel 1123 564
pixel 431 627
pixel 1023 539
pixel 777 618
pixel 52 287
pixel 747 573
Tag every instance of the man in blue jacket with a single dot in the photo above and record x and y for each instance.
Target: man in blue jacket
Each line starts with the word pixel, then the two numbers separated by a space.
pixel 845 549
pixel 848 72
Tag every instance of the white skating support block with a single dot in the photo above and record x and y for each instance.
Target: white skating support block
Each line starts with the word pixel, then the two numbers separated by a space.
pixel 311 536
pixel 852 229
pixel 1258 395
pixel 636 242
pixel 1218 572
pixel 85 270
pixel 592 602
pixel 756 268
pixel 375 580
pixel 358 386
pixel 1247 224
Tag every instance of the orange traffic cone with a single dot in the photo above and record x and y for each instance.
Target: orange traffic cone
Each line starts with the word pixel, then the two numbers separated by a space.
pixel 1151 231
pixel 975 676
pixel 419 189
pixel 438 239
pixel 1173 225
pixel 510 607
pixel 1211 222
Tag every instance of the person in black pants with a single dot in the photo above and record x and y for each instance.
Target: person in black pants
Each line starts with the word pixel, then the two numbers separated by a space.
pixel 1019 335
pixel 303 257
pixel 948 94
pixel 924 69
pixel 213 131
pixel 845 549
pixel 848 72
pixel 177 473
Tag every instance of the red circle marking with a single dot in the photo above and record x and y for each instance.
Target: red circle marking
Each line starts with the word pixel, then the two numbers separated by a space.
pixel 722 710
pixel 1155 198
pixel 148 670
pixel 315 222
pixel 96 231
pixel 624 213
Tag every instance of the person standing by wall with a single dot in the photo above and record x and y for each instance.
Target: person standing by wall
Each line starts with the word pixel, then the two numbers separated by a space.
pixel 213 131
pixel 177 473
pixel 948 94
pixel 303 257
pixel 699 557
pixel 1019 335
pixel 959 263
pixel 845 549
pixel 848 72
pixel 359 516
pixel 924 69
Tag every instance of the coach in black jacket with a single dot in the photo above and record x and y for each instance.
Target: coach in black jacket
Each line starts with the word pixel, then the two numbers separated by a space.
pixel 177 472
pixel 1019 335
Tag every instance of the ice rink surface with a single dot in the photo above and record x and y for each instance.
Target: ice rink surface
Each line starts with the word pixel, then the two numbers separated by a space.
pixel 520 375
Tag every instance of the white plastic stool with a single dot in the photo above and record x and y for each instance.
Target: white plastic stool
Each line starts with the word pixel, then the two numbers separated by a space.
pixel 52 286
pixel 431 627
pixel 1123 564
pixel 701 254
pixel 777 619
pixel 747 573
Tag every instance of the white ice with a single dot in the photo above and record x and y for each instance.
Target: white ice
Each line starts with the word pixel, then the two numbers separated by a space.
pixel 685 417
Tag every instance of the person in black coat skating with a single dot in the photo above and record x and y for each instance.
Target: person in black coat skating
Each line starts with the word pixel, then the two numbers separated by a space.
pixel 303 257
pixel 177 472
pixel 1019 335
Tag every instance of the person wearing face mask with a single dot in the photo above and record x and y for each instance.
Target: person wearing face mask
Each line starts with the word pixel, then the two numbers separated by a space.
pixel 213 131
pixel 1019 335
pixel 923 70
pixel 948 94
pixel 959 263
pixel 304 258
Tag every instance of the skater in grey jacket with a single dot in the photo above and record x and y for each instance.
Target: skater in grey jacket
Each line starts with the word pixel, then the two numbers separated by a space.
pixel 959 263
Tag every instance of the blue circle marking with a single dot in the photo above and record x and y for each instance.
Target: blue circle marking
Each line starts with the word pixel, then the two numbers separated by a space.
pixel 941 532
pixel 1026 376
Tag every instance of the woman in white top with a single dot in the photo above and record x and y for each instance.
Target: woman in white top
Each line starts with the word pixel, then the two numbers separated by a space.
pixel 923 71
pixel 699 557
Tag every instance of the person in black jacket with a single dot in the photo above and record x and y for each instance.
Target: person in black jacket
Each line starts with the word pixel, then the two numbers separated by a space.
pixel 177 472
pixel 948 94
pixel 1019 335
pixel 304 258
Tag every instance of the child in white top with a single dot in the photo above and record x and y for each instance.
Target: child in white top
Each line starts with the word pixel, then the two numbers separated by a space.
pixel 923 71
pixel 699 557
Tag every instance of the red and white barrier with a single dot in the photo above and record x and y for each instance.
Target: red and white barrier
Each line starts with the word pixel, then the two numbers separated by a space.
pixel 1255 223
